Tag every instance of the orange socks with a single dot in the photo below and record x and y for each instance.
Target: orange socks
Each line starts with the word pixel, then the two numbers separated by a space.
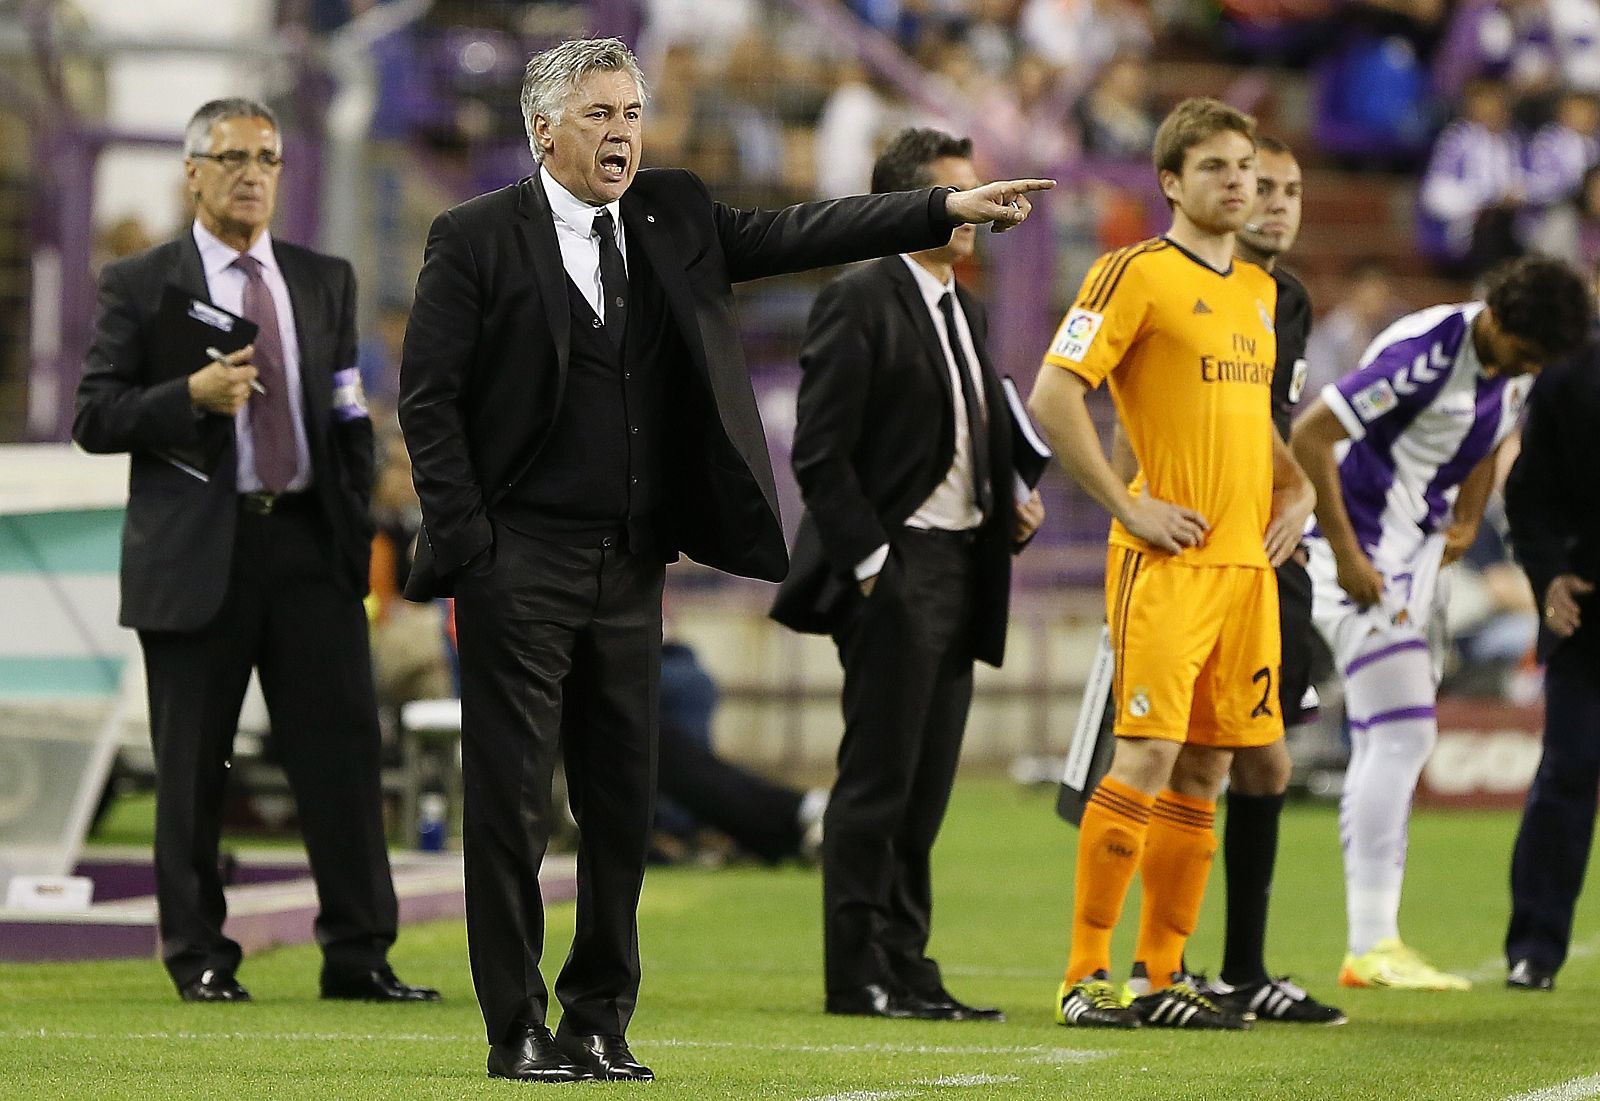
pixel 1177 861
pixel 1111 840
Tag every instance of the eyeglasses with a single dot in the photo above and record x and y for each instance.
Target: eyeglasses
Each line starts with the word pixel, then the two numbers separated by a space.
pixel 234 160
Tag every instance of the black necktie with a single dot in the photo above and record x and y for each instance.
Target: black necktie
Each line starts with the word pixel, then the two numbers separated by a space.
pixel 613 278
pixel 977 425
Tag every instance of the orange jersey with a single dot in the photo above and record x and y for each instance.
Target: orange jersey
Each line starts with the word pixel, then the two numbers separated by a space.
pixel 1190 353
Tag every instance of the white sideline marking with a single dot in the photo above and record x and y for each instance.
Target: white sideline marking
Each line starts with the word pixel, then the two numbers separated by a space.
pixel 1579 1089
pixel 955 1081
pixel 1037 1053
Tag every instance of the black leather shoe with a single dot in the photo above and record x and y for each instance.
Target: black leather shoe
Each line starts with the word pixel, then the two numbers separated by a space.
pixel 373 986
pixel 607 1058
pixel 877 1000
pixel 214 986
pixel 534 1057
pixel 1527 975
pixel 959 1010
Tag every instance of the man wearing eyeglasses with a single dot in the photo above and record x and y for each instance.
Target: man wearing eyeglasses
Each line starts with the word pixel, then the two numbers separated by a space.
pixel 246 546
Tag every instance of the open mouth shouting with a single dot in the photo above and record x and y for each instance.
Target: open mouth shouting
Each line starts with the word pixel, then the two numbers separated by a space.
pixel 614 165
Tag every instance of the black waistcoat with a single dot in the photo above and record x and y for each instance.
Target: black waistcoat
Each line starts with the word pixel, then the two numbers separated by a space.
pixel 598 475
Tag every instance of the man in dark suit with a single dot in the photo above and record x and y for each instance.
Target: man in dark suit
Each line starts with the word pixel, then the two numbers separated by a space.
pixel 903 453
pixel 245 546
pixel 578 413
pixel 1553 504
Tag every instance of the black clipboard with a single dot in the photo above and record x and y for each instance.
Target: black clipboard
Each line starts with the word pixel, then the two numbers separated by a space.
pixel 1029 453
pixel 185 328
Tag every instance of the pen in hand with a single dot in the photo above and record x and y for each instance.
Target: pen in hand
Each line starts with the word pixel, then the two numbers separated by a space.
pixel 221 357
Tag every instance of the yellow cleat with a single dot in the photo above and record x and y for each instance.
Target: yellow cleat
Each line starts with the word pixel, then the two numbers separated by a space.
pixel 1093 1002
pixel 1391 964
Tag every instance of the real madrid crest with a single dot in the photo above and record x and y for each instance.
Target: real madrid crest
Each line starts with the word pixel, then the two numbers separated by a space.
pixel 1139 703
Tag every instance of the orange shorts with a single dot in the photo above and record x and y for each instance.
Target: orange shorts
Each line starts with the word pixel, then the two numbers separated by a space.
pixel 1197 649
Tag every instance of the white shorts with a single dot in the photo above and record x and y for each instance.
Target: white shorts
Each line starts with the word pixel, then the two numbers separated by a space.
pixel 1414 594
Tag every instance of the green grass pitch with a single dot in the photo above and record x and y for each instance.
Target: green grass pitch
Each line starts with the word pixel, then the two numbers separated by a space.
pixel 731 1006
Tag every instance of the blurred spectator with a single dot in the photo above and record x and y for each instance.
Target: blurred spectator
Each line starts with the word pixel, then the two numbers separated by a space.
pixel 1114 118
pixel 1370 100
pixel 1563 150
pixel 902 20
pixel 1338 340
pixel 123 237
pixel 378 358
pixel 1506 40
pixel 1574 27
pixel 1420 22
pixel 1492 617
pixel 1571 230
pixel 673 107
pixel 322 16
pixel 410 657
pixel 855 118
pixel 1473 186
pixel 1283 30
pixel 757 71
pixel 699 789
pixel 1026 119
pixel 993 36
pixel 1083 35
pixel 710 26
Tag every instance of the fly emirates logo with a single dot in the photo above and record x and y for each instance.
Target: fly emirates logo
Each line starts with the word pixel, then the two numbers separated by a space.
pixel 1241 366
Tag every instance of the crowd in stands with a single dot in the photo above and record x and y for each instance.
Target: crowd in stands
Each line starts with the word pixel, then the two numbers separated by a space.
pixel 1489 104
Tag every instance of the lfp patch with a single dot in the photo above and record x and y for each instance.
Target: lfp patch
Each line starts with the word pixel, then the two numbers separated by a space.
pixel 1374 401
pixel 349 399
pixel 1297 381
pixel 1076 334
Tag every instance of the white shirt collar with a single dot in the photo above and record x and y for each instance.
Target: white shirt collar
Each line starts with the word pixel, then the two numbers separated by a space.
pixel 216 255
pixel 576 214
pixel 932 290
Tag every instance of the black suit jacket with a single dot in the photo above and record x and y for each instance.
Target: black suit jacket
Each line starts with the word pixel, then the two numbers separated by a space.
pixel 875 436
pixel 1553 494
pixel 485 360
pixel 177 538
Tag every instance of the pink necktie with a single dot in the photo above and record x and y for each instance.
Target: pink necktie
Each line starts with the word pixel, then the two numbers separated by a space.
pixel 271 419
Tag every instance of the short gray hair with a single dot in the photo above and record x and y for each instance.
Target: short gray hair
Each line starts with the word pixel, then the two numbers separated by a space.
pixel 552 76
pixel 197 135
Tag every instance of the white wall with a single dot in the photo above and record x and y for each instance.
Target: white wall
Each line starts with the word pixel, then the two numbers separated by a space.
pixel 157 92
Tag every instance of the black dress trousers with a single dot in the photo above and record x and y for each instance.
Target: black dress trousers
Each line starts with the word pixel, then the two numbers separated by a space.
pixel 907 656
pixel 284 615
pixel 560 651
pixel 1552 848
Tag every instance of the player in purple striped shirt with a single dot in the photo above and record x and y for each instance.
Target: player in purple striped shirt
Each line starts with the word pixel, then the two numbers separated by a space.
pixel 1402 453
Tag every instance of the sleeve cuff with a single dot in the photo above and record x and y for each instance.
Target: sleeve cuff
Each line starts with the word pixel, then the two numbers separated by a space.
pixel 872 564
pixel 1066 365
pixel 1336 402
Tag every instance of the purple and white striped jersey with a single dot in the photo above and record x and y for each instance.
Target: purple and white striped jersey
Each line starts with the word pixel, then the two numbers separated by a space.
pixel 1421 414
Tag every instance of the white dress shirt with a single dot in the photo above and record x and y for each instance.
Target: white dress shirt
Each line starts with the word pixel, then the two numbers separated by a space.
pixel 953 504
pixel 225 284
pixel 580 248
